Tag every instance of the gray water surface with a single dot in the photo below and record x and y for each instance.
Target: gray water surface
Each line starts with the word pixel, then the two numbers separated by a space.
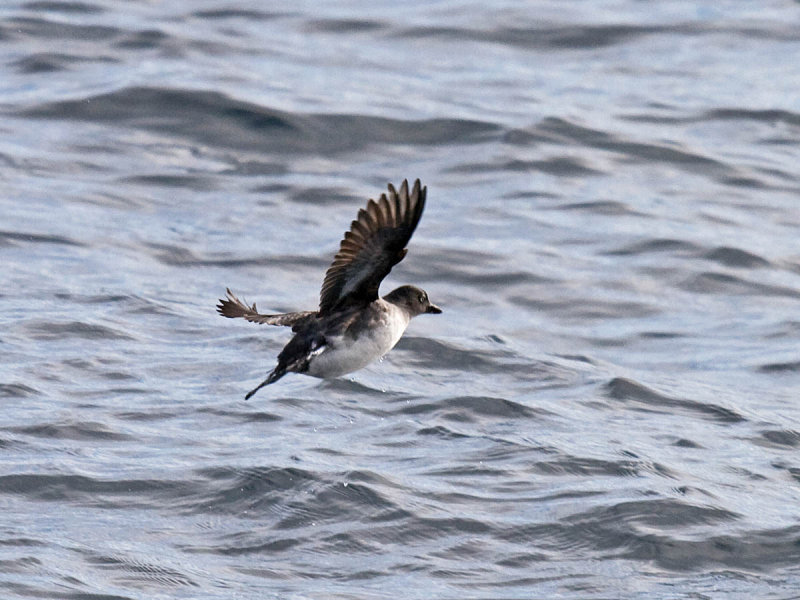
pixel 605 409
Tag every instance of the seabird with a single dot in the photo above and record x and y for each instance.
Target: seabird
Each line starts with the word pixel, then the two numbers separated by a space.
pixel 353 326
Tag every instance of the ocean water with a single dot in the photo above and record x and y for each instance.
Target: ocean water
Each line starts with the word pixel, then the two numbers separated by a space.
pixel 606 408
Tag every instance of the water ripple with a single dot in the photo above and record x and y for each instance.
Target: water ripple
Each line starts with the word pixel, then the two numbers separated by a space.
pixel 643 398
pixel 606 406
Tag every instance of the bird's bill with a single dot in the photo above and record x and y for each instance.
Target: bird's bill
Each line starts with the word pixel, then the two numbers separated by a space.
pixel 432 308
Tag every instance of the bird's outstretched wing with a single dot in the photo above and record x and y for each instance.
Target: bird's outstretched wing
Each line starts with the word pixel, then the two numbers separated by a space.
pixel 232 307
pixel 375 243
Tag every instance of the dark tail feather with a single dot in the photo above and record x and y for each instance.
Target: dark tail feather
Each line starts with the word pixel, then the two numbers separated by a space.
pixel 276 374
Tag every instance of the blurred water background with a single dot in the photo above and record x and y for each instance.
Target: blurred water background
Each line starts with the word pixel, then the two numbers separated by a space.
pixel 607 406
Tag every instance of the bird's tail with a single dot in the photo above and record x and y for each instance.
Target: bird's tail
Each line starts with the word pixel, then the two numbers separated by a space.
pixel 276 374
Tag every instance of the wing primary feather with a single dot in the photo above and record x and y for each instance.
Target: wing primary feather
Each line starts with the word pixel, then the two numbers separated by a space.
pixel 374 244
pixel 404 203
pixel 383 212
pixel 391 209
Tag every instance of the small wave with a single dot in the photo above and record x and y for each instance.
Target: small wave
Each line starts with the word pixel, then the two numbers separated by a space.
pixel 762 550
pixel 148 39
pixel 562 132
pixel 138 573
pixel 239 13
pixel 770 116
pixel 49 62
pixel 343 26
pixel 344 388
pixel 245 416
pixel 611 208
pixel 10 237
pixel 779 438
pixel 573 465
pixel 684 443
pixel 655 245
pixel 415 529
pixel 560 166
pixel 246 542
pixel 646 399
pixel 173 255
pixel 16 390
pixel 436 354
pixel 322 196
pixel 468 268
pixel 88 491
pixel 735 257
pixel 251 168
pixel 473 409
pixel 572 37
pixel 72 431
pixel 236 124
pixel 78 8
pixel 440 431
pixel 38 27
pixel 781 367
pixel 50 330
pixel 190 182
pixel 251 490
pixel 743 114
pixel 711 282
pixel 623 530
pixel 587 309
pixel 661 513
pixel 150 415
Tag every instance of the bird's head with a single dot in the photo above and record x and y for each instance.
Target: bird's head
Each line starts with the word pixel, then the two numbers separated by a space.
pixel 413 299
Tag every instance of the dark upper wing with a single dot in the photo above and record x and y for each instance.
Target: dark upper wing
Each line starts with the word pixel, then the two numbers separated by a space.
pixel 232 307
pixel 375 243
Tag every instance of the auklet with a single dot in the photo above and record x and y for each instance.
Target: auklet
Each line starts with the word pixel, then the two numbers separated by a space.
pixel 353 325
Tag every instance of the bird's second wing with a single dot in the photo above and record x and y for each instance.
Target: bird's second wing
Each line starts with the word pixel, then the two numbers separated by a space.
pixel 232 307
pixel 375 243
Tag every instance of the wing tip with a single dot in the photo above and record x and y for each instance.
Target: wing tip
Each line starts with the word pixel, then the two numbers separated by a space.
pixel 223 308
pixel 399 209
pixel 231 307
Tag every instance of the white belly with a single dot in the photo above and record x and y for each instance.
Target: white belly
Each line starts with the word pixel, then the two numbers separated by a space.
pixel 343 355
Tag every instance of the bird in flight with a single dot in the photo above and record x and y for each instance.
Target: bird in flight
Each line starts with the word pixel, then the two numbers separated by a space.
pixel 353 326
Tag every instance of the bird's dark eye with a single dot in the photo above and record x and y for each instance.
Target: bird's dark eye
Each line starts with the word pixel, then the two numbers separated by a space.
pixel 422 298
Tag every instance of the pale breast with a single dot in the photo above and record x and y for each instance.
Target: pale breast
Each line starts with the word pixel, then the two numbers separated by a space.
pixel 348 352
